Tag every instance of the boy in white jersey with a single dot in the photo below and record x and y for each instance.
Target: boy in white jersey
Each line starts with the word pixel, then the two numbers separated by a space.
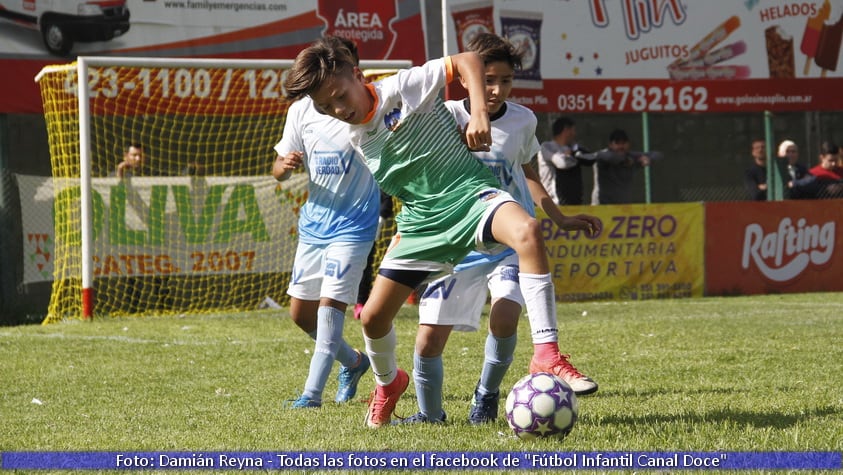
pixel 337 227
pixel 451 203
pixel 455 301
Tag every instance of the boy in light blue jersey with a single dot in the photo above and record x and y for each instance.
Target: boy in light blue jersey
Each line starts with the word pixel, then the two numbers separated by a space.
pixel 337 227
pixel 455 301
pixel 451 203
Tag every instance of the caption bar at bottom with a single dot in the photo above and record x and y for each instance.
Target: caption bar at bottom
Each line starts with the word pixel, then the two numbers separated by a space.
pixel 490 461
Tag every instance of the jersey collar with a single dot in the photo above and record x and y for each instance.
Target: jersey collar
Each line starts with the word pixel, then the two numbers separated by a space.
pixel 497 115
pixel 369 115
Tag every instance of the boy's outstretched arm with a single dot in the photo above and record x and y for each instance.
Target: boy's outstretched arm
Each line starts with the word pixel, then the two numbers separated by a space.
pixel 469 67
pixel 586 223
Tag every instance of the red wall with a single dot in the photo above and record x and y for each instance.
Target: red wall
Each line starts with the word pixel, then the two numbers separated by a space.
pixel 773 247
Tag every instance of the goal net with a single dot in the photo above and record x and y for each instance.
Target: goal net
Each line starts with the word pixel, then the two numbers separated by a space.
pixel 201 226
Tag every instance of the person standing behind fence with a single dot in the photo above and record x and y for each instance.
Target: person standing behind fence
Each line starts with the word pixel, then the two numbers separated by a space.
pixel 789 155
pixel 755 177
pixel 828 174
pixel 614 169
pixel 133 162
pixel 559 165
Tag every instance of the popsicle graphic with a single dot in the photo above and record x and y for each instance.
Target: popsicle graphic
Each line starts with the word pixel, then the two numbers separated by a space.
pixel 780 60
pixel 811 36
pixel 828 46
pixel 725 53
pixel 695 73
pixel 710 40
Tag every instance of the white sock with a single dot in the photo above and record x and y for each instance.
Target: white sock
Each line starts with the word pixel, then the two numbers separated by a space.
pixel 540 300
pixel 381 353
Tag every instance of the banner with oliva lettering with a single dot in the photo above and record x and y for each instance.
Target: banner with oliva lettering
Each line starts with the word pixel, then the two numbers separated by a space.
pixel 165 225
pixel 644 252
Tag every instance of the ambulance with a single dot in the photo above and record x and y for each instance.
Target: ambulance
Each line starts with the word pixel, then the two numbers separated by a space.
pixel 63 22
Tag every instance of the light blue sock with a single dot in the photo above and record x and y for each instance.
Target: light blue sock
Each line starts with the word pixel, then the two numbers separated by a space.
pixel 428 374
pixel 346 355
pixel 329 323
pixel 498 357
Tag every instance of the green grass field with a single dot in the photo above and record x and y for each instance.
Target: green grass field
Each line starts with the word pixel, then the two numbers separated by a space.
pixel 758 373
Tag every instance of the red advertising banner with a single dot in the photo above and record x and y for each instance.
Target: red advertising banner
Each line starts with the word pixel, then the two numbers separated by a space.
pixel 622 56
pixel 643 95
pixel 367 22
pixel 258 29
pixel 773 247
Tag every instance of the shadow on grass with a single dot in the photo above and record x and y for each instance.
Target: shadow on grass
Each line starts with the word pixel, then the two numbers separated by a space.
pixel 638 393
pixel 775 420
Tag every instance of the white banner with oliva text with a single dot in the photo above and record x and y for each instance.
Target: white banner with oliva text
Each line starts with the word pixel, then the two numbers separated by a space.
pixel 164 225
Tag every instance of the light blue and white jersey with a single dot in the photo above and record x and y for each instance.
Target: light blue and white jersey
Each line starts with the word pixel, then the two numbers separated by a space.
pixel 343 198
pixel 514 144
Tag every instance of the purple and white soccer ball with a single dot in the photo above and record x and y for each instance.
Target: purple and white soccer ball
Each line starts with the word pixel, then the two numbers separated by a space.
pixel 541 405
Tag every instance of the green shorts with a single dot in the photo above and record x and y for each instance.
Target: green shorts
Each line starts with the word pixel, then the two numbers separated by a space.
pixel 440 248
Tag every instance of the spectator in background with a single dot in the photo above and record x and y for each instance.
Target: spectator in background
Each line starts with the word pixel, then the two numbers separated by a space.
pixel 828 174
pixel 133 163
pixel 755 177
pixel 789 155
pixel 559 165
pixel 614 169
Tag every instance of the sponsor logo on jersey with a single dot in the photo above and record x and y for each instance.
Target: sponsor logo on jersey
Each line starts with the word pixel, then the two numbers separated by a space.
pixel 392 119
pixel 488 195
pixel 332 162
pixel 501 169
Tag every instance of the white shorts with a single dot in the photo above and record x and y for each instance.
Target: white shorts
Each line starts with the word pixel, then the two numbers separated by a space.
pixel 458 299
pixel 331 270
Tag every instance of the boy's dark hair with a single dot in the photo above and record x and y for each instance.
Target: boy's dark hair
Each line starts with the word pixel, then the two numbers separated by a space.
pixel 493 48
pixel 561 124
pixel 618 136
pixel 829 148
pixel 324 58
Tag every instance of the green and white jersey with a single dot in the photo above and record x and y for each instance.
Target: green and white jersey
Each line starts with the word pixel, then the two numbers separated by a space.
pixel 514 145
pixel 412 147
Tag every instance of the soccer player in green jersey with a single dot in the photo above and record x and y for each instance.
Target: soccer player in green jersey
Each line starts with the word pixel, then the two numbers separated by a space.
pixel 451 203
pixel 455 301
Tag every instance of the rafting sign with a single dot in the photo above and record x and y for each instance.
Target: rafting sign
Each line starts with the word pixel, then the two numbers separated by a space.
pixel 664 55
